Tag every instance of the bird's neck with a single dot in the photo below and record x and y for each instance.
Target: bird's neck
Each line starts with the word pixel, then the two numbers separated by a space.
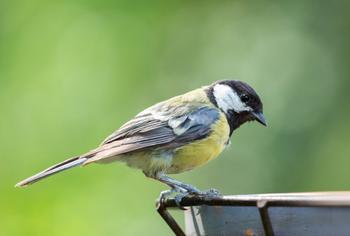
pixel 234 119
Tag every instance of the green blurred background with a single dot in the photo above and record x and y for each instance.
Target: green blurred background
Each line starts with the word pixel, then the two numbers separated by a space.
pixel 71 72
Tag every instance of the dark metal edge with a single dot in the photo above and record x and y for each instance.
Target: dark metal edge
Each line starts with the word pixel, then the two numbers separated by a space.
pixel 262 202
pixel 265 218
pixel 163 212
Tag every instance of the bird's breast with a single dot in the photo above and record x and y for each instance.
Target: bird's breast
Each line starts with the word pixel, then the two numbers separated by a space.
pixel 200 152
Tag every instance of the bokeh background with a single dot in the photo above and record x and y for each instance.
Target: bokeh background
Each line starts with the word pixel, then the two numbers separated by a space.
pixel 71 72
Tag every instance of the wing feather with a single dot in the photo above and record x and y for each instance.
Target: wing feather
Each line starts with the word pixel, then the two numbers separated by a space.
pixel 157 127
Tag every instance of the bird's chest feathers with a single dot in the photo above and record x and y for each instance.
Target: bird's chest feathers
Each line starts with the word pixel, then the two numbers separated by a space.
pixel 201 151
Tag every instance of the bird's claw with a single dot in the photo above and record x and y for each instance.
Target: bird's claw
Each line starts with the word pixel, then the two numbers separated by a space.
pixel 212 192
pixel 166 193
pixel 181 193
pixel 178 198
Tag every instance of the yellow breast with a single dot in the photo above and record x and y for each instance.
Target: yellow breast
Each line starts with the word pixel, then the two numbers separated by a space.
pixel 202 151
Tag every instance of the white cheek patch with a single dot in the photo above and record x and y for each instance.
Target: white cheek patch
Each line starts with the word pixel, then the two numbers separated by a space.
pixel 228 99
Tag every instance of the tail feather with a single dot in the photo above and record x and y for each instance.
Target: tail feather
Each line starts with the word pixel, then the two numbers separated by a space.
pixel 67 164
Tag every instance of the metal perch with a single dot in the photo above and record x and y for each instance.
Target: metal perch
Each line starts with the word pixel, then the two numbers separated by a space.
pixel 318 213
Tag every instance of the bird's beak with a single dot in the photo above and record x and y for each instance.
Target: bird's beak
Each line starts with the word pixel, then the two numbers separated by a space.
pixel 259 117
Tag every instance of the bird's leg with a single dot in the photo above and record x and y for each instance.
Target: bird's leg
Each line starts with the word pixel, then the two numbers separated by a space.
pixel 177 184
pixel 178 197
pixel 189 188
pixel 182 189
pixel 165 194
pixel 180 193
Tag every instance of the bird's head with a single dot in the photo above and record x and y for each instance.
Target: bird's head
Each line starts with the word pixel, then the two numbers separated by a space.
pixel 238 101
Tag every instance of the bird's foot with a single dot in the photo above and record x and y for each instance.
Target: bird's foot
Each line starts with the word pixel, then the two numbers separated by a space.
pixel 212 192
pixel 190 191
pixel 167 193
pixel 178 198
pixel 182 193
pixel 182 190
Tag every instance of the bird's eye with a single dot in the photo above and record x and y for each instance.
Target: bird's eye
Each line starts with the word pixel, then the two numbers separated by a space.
pixel 245 98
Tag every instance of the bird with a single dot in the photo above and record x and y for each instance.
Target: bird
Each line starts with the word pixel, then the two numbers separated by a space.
pixel 175 135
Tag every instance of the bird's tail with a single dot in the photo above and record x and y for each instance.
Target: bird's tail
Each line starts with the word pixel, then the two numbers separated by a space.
pixel 67 164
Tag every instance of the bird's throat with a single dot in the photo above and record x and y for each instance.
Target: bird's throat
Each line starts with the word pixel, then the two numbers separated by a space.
pixel 235 120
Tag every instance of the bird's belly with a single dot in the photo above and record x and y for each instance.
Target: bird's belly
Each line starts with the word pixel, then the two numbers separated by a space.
pixel 149 161
pixel 200 152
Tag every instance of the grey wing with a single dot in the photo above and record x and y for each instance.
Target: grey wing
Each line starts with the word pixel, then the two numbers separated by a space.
pixel 154 117
pixel 156 130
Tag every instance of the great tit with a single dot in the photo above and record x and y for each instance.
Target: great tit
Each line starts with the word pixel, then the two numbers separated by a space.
pixel 175 135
